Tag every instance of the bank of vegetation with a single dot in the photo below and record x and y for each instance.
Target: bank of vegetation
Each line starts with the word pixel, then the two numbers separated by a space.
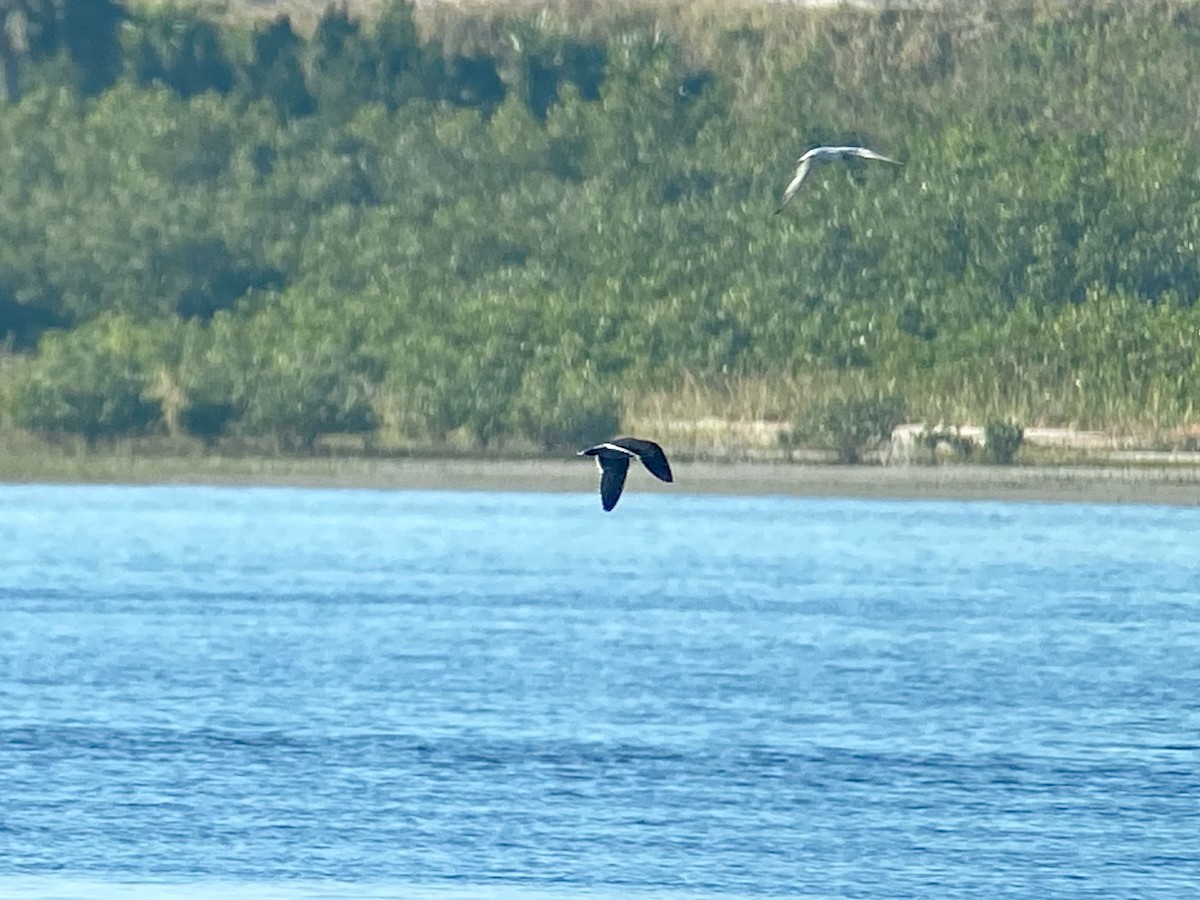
pixel 487 229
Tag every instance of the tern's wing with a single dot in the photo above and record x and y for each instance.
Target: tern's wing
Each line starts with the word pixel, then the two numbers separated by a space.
pixel 801 173
pixel 864 153
pixel 612 479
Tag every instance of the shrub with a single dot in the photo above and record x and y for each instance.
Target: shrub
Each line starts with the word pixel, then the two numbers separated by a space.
pixel 850 426
pixel 571 409
pixel 962 446
pixel 1003 439
pixel 297 400
pixel 89 382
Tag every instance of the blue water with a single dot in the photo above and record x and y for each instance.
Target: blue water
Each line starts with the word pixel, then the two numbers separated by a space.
pixel 272 693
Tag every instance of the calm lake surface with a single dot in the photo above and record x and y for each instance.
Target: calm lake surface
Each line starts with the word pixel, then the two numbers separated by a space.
pixel 269 693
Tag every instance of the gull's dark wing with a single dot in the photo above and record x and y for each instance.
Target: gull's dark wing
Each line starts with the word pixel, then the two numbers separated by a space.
pixel 656 461
pixel 650 454
pixel 613 470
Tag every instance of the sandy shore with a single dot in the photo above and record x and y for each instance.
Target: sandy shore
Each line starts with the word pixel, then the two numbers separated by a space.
pixel 1179 485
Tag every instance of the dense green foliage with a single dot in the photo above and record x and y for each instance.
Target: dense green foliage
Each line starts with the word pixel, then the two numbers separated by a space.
pixel 509 228
pixel 1003 440
pixel 849 426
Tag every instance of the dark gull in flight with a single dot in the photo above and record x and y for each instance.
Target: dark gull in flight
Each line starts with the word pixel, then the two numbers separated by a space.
pixel 612 457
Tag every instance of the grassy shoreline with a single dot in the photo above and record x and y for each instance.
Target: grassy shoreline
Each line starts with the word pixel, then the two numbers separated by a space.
pixel 1081 483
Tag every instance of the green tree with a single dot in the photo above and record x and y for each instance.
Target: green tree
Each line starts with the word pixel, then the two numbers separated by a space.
pixel 181 50
pixel 275 71
pixel 92 382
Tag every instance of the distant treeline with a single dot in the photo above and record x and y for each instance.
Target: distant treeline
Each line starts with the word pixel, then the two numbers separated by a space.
pixel 495 228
